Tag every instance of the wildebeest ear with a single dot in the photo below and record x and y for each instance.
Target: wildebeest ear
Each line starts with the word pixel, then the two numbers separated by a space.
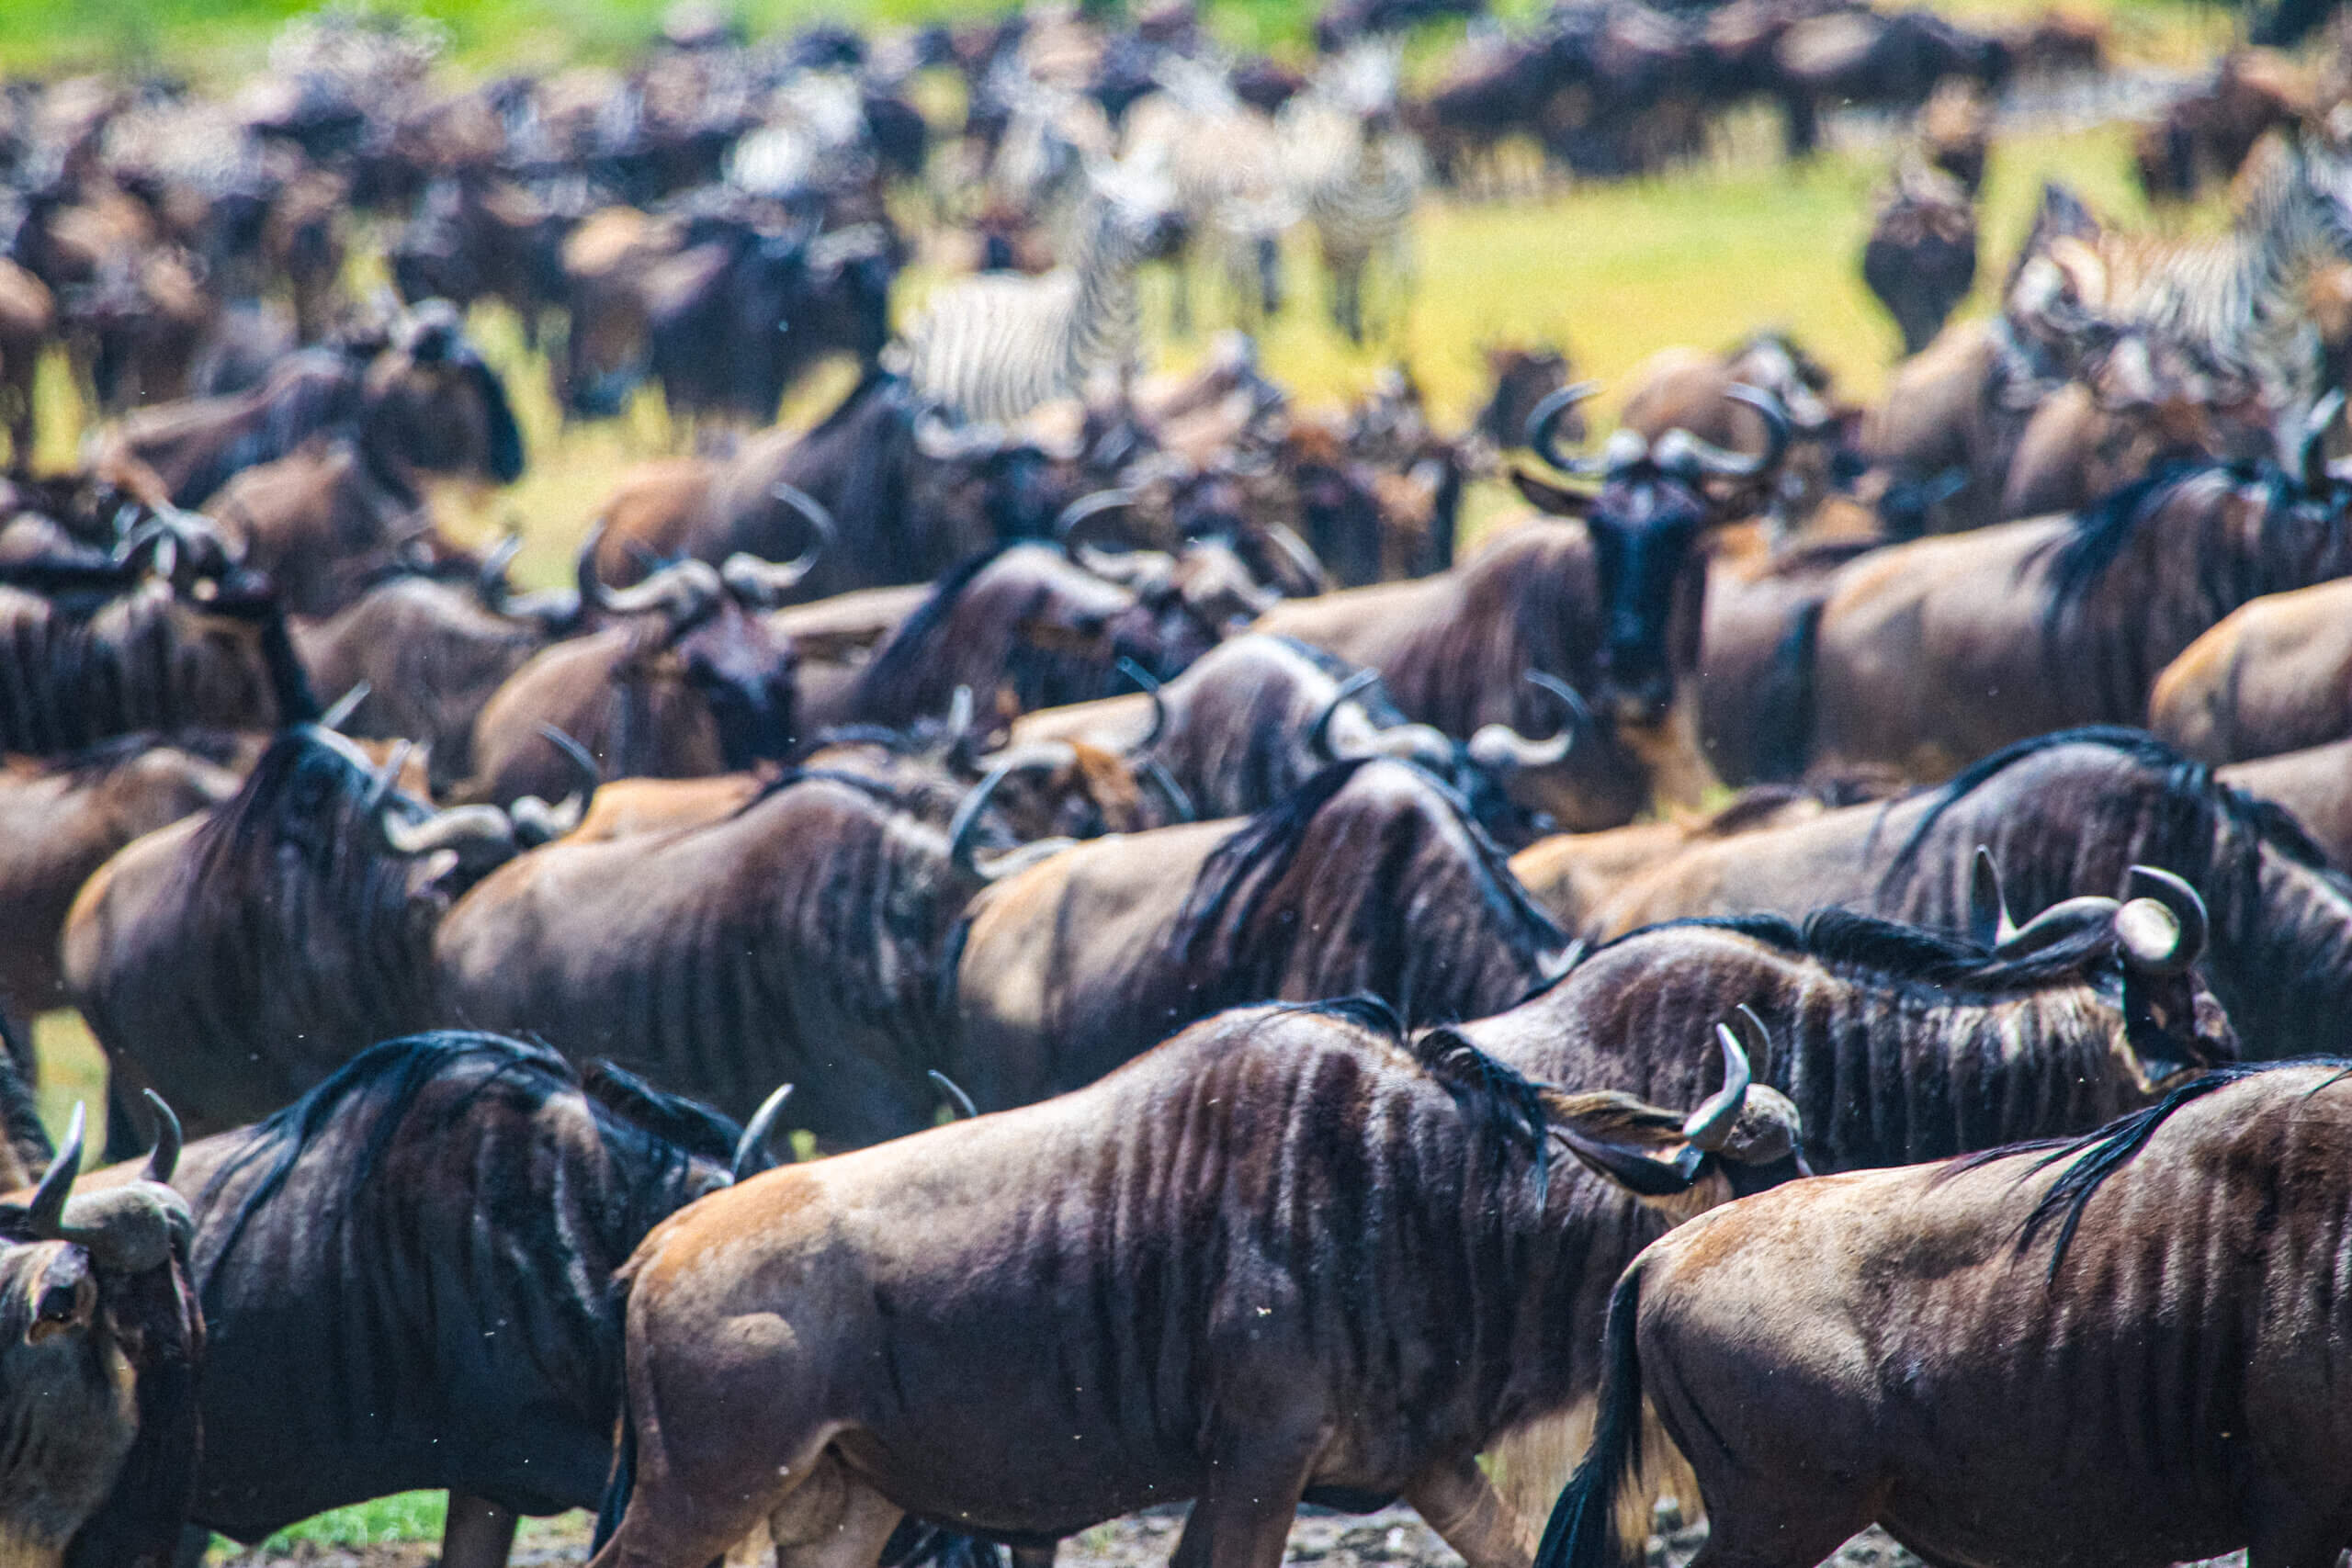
pixel 1557 500
pixel 1632 1142
pixel 692 1126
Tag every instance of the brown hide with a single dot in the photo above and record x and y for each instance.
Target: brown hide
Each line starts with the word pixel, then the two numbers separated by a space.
pixel 2275 675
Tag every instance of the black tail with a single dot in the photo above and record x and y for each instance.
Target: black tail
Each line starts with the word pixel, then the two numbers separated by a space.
pixel 624 1477
pixel 1785 748
pixel 1582 1532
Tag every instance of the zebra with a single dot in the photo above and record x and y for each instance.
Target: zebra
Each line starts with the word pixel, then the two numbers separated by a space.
pixel 994 346
pixel 2238 301
pixel 1356 173
pixel 1225 159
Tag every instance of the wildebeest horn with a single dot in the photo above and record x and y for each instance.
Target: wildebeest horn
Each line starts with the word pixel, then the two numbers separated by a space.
pixel 345 707
pixel 1501 749
pixel 448 829
pixel 166 1157
pixel 1150 683
pixel 591 776
pixel 1318 734
pixel 967 820
pixel 679 590
pixel 753 1155
pixel 941 442
pixel 1707 457
pixel 765 583
pixel 1087 507
pixel 1180 801
pixel 46 1213
pixel 1988 911
pixel 380 788
pixel 2056 923
pixel 1709 1127
pixel 2311 459
pixel 489 582
pixel 1544 419
pixel 2161 926
pixel 954 1094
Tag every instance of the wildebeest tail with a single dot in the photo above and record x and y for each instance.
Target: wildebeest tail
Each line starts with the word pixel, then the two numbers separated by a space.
pixel 623 1480
pixel 1583 1531
pixel 1784 729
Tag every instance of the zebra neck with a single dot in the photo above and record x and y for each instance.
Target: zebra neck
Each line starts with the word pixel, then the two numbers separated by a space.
pixel 1106 327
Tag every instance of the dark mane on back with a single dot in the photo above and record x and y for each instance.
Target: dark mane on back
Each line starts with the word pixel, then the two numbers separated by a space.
pixel 2097 1156
pixel 910 646
pixel 221 748
pixel 878 790
pixel 389 1076
pixel 1378 706
pixel 1895 950
pixel 1504 1108
pixel 2102 530
pixel 2179 777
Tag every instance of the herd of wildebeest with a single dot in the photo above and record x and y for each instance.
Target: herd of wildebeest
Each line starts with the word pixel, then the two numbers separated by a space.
pixel 1810 970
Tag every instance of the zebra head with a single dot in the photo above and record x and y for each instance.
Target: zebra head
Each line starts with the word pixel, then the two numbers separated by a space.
pixel 1135 210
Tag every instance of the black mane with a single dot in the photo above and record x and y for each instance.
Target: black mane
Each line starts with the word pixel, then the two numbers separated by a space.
pixel 1898 951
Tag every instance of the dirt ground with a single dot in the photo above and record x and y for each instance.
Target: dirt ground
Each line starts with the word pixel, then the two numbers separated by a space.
pixel 1394 1538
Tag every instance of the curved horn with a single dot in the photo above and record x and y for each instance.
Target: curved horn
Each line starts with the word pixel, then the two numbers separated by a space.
pixel 1180 801
pixel 2056 923
pixel 1089 506
pixel 1710 458
pixel 591 776
pixel 1709 1127
pixel 335 718
pixel 1546 416
pixel 1150 684
pixel 2310 461
pixel 676 591
pixel 166 1157
pixel 954 1094
pixel 1988 911
pixel 489 582
pixel 448 829
pixel 380 788
pixel 751 1153
pixel 1318 735
pixel 765 582
pixel 961 827
pixel 45 1214
pixel 2161 926
pixel 1501 748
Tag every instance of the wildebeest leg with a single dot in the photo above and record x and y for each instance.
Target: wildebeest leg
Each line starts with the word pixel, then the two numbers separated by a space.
pixel 477 1534
pixel 1243 1516
pixel 675 1519
pixel 1456 1500
pixel 832 1520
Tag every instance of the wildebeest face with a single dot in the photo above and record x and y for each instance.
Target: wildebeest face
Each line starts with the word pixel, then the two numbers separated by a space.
pixel 437 406
pixel 748 675
pixel 1643 535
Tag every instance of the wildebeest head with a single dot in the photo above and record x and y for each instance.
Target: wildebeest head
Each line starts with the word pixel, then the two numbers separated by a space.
pixel 435 404
pixel 99 1339
pixel 705 627
pixel 1656 500
pixel 1523 377
pixel 2172 1025
pixel 1010 479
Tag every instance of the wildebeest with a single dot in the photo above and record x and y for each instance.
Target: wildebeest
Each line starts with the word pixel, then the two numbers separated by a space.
pixel 100 650
pixel 352 1353
pixel 424 398
pixel 1927 656
pixel 1920 260
pixel 2308 785
pixel 1026 627
pixel 1256 717
pixel 682 675
pixel 103 1344
pixel 2063 813
pixel 1262 1138
pixel 237 958
pixel 2117 1337
pixel 60 818
pixel 2274 675
pixel 798 937
pixel 1371 877
pixel 431 653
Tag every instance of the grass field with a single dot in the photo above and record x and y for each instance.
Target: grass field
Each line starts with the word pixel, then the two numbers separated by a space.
pixel 1613 272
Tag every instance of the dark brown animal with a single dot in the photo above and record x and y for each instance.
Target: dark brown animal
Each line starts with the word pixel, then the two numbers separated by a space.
pixel 104 1344
pixel 2274 675
pixel 799 938
pixel 2114 1337
pixel 1372 877
pixel 237 958
pixel 63 819
pixel 2309 786
pixel 1920 260
pixel 1274 1378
